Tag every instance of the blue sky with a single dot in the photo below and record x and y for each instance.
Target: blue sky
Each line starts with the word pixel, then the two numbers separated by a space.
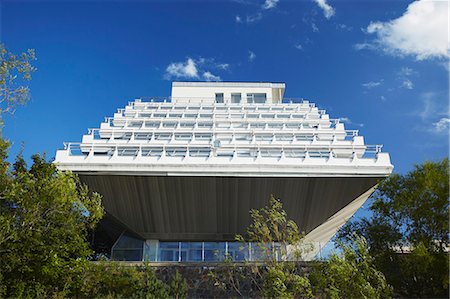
pixel 380 66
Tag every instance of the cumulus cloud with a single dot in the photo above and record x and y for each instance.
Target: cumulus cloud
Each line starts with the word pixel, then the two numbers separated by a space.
pixel 269 4
pixel 251 56
pixel 442 126
pixel 407 84
pixel 187 69
pixel 192 68
pixel 372 84
pixel 344 27
pixel 433 112
pixel 254 18
pixel 314 27
pixel 328 11
pixel 223 66
pixel 299 47
pixel 364 46
pixel 404 76
pixel 406 71
pixel 348 121
pixel 420 32
pixel 238 19
pixel 345 120
pixel 210 77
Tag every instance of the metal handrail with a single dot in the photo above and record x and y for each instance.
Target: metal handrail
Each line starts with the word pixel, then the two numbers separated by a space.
pixel 330 150
pixel 199 100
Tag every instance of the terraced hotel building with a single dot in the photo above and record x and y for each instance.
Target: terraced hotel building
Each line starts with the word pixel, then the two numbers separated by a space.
pixel 179 174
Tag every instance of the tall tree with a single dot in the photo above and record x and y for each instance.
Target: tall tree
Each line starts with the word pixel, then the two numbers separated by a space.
pixel 408 234
pixel 45 216
pixel 15 72
pixel 351 273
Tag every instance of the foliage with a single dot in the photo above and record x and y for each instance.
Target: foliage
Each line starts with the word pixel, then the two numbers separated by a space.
pixel 45 216
pixel 178 287
pixel 408 234
pixel 273 232
pixel 15 70
pixel 121 280
pixel 269 226
pixel 350 274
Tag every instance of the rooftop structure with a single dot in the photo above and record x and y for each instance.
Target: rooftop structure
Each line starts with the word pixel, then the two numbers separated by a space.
pixel 180 174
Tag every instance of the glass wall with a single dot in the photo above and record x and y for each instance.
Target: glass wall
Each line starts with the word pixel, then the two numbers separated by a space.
pixel 128 248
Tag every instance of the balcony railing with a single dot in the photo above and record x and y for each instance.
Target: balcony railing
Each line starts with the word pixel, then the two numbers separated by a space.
pixel 209 100
pixel 231 151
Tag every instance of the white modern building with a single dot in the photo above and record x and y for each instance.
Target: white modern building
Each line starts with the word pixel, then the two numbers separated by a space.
pixel 179 174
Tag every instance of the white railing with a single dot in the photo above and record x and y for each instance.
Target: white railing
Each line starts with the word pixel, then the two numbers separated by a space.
pixel 260 150
pixel 209 100
pixel 97 133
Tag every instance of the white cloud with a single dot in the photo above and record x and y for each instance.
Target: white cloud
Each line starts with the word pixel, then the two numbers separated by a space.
pixel 238 19
pixel 186 69
pixel 314 27
pixel 443 125
pixel 299 47
pixel 383 98
pixel 328 11
pixel 406 71
pixel 404 77
pixel 348 121
pixel 345 120
pixel 372 84
pixel 433 112
pixel 364 46
pixel 344 27
pixel 254 18
pixel 195 69
pixel 223 66
pixel 251 56
pixel 210 77
pixel 420 32
pixel 407 84
pixel 269 4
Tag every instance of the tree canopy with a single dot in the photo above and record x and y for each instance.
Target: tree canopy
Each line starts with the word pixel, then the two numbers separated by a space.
pixel 45 216
pixel 408 233
pixel 15 72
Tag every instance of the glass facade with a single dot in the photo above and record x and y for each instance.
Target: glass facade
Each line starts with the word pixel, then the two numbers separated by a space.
pixel 131 249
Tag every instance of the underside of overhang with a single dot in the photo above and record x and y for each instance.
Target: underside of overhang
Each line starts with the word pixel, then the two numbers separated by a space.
pixel 217 208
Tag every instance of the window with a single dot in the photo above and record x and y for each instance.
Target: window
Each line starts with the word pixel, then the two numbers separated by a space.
pixel 266 137
pixel 176 152
pixel 219 97
pixel 186 137
pixel 152 151
pixel 256 98
pixel 199 152
pixel 127 151
pixel 235 98
pixel 163 136
pixel 258 125
pixel 152 124
pixel 169 124
pixel 203 136
pixel 187 125
pixel 204 125
pixel 242 137
pixel 143 136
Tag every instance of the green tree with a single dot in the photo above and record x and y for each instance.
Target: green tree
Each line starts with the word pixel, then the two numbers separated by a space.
pixel 120 280
pixel 275 235
pixel 15 71
pixel 350 274
pixel 408 234
pixel 45 216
